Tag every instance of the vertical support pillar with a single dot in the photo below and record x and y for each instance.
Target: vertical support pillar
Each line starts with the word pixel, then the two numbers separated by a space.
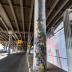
pixel 5 46
pixel 29 42
pixel 9 44
pixel 17 47
pixel 68 36
pixel 39 58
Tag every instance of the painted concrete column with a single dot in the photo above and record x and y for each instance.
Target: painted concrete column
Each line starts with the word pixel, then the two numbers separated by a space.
pixel 29 41
pixel 68 36
pixel 39 58
pixel 9 43
pixel 6 46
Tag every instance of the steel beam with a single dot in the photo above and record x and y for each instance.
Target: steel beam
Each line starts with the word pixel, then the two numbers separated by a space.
pixel 59 18
pixel 1 29
pixel 31 12
pixel 1 32
pixel 4 24
pixel 3 37
pixel 58 11
pixel 22 15
pixel 5 17
pixel 13 12
pixel 17 5
pixel 53 6
pixel 30 18
pixel 14 31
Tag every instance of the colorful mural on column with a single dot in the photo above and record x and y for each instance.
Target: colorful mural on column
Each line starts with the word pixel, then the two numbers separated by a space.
pixel 29 41
pixel 56 48
pixel 39 60
pixel 39 49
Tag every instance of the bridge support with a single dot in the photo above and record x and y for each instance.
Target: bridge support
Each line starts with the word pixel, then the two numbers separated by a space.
pixel 68 36
pixel 29 42
pixel 6 43
pixel 9 43
pixel 39 58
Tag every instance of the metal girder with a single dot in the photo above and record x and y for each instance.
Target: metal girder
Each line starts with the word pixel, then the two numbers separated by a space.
pixel 30 18
pixel 1 32
pixel 4 24
pixel 60 17
pixel 53 6
pixel 12 9
pixel 57 20
pixel 22 15
pixel 14 31
pixel 1 29
pixel 3 37
pixel 5 17
pixel 58 11
pixel 31 11
pixel 17 5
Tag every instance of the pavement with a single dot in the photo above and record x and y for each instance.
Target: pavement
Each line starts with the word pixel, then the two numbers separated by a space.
pixel 51 67
pixel 3 55
pixel 18 63
pixel 14 63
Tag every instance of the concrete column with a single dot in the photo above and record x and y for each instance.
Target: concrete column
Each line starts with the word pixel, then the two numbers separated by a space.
pixel 9 43
pixel 5 46
pixel 39 58
pixel 29 42
pixel 68 36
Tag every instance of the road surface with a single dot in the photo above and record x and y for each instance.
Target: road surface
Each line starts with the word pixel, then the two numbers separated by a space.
pixel 14 63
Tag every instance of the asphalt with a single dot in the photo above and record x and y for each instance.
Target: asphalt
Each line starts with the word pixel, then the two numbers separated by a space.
pixel 14 63
pixel 18 63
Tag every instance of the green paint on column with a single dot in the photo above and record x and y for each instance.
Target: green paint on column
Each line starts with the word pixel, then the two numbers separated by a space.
pixel 39 60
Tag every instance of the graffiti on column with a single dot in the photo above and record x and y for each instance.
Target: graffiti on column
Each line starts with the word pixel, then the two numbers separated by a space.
pixel 29 40
pixel 40 45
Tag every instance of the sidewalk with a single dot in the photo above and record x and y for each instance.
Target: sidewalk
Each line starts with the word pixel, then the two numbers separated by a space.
pixel 23 65
pixel 3 55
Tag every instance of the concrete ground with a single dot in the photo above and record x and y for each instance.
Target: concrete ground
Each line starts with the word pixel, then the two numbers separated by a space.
pixel 51 68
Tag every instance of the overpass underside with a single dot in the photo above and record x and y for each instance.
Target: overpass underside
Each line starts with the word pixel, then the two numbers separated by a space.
pixel 27 31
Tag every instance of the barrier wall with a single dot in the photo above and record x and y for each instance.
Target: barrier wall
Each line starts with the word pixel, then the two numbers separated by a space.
pixel 56 48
